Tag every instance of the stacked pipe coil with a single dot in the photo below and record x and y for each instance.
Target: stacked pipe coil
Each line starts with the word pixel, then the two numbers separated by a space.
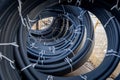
pixel 61 48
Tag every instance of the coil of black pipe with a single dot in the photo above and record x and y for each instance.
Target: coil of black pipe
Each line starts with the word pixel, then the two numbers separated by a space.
pixel 60 59
pixel 105 69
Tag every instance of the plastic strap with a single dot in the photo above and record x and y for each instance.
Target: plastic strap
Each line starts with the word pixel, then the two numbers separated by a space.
pixel 108 21
pixel 83 77
pixel 116 6
pixel 7 44
pixel 50 77
pixel 6 58
pixel 78 2
pixel 112 53
pixel 69 61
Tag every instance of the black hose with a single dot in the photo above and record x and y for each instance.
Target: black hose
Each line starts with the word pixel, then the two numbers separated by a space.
pixel 101 73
